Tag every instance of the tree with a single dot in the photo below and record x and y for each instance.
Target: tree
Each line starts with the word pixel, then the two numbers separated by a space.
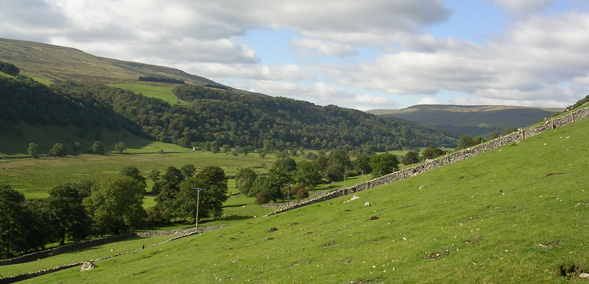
pixel 478 140
pixel 167 188
pixel 411 157
pixel 9 69
pixel 362 164
pixel 244 179
pixel 67 213
pixel 153 175
pixel 134 173
pixel 77 147
pixel 432 152
pixel 341 158
pixel 322 161
pixel 58 150
pixel 308 173
pixel 383 164
pixel 272 184
pixel 495 134
pixel 33 150
pixel 120 147
pixel 188 170
pixel 302 193
pixel 263 198
pixel 335 172
pixel 115 204
pixel 12 227
pixel 464 142
pixel 214 181
pixel 286 164
pixel 38 224
pixel 97 148
pixel 173 176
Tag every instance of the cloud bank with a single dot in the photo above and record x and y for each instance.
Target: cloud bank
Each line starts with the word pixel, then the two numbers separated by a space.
pixel 361 54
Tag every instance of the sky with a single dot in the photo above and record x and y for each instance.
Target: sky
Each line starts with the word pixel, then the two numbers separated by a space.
pixel 370 54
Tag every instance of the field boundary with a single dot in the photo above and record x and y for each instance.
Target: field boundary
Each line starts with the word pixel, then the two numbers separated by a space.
pixel 101 241
pixel 429 165
pixel 181 233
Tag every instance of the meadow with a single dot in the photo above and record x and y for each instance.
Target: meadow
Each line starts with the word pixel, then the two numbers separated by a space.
pixel 158 91
pixel 35 177
pixel 517 214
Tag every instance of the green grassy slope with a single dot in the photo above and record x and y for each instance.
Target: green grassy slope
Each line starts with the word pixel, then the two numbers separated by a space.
pixel 158 91
pixel 35 177
pixel 517 214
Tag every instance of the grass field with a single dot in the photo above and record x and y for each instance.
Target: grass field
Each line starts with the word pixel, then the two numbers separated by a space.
pixel 163 92
pixel 2 74
pixel 35 177
pixel 39 79
pixel 517 214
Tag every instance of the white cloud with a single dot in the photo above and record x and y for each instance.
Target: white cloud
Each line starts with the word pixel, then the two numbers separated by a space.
pixel 428 101
pixel 540 57
pixel 523 6
pixel 529 64
pixel 321 48
pixel 288 72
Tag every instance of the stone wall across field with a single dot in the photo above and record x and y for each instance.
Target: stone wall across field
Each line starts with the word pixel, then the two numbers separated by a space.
pixel 429 165
pixel 97 242
pixel 81 245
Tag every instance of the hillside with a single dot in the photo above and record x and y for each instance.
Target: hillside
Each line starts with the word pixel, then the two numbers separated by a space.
pixel 60 63
pixel 210 118
pixel 470 120
pixel 516 214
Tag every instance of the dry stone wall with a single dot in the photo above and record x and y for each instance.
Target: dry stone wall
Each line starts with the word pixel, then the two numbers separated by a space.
pixel 429 165
pixel 179 234
pixel 96 242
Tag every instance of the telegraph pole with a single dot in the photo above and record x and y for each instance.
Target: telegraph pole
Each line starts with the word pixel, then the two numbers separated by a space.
pixel 288 192
pixel 198 190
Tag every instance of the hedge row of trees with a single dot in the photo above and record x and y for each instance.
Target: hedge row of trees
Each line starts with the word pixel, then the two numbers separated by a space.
pixel 161 79
pixel 287 178
pixel 113 205
pixel 59 150
pixel 9 69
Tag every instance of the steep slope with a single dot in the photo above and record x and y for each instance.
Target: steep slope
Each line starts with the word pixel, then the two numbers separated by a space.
pixel 240 118
pixel 64 63
pixel 470 120
pixel 516 214
pixel 222 118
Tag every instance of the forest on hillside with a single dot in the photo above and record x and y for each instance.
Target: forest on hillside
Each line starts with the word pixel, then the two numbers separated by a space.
pixel 213 119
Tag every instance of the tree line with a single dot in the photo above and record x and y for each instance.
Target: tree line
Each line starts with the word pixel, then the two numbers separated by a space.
pixel 162 79
pixel 214 119
pixel 113 205
pixel 9 69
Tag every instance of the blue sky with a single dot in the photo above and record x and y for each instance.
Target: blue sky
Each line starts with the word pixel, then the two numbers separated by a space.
pixel 370 54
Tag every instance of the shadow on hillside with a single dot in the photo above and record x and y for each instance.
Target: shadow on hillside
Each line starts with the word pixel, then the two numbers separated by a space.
pixel 236 218
pixel 15 141
pixel 235 205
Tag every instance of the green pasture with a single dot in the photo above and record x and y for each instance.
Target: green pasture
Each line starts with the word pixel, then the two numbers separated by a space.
pixel 35 177
pixel 84 254
pixel 2 74
pixel 153 91
pixel 517 214
pixel 39 79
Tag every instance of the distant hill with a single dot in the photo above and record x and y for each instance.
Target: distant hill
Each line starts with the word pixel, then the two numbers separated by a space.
pixel 470 120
